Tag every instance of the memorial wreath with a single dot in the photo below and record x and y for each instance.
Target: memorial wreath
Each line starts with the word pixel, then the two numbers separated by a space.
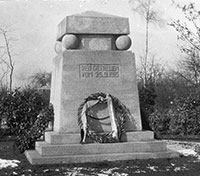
pixel 118 114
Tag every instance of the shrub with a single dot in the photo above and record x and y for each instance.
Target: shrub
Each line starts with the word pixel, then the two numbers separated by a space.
pixel 28 114
pixel 159 122
pixel 147 101
pixel 26 140
pixel 186 115
pixel 21 108
pixel 3 129
pixel 182 118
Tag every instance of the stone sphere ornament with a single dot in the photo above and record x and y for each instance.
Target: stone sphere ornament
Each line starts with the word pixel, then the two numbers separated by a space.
pixel 58 47
pixel 123 42
pixel 70 41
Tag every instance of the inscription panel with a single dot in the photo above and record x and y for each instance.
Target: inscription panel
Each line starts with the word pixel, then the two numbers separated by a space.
pixel 98 70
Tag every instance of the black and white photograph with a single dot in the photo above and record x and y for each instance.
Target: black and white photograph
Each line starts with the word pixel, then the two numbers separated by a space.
pixel 99 87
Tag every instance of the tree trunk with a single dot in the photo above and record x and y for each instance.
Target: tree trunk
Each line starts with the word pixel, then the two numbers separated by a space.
pixel 10 60
pixel 146 52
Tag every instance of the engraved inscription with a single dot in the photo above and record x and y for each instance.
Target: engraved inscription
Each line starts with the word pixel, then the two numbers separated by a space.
pixel 99 70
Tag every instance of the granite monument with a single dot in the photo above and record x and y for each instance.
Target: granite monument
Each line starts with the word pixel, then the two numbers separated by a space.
pixel 94 77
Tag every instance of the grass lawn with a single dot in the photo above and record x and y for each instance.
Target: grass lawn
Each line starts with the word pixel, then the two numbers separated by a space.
pixel 14 163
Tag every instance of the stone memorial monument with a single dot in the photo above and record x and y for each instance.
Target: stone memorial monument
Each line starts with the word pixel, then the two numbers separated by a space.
pixel 95 96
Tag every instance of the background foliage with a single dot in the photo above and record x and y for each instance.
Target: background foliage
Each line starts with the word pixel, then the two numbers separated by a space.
pixel 27 139
pixel 170 99
pixel 21 108
pixel 27 114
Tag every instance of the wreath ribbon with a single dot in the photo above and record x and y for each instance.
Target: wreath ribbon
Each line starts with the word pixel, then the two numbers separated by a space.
pixel 112 117
pixel 89 105
pixel 118 113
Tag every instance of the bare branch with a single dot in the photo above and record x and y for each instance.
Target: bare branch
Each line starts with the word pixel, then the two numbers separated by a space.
pixel 8 50
pixel 189 35
pixel 145 8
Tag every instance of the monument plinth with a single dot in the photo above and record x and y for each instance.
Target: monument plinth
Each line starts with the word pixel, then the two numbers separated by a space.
pixel 92 58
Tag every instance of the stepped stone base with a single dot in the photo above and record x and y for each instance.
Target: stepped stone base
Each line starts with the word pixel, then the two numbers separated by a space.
pixel 36 159
pixel 74 138
pixel 65 148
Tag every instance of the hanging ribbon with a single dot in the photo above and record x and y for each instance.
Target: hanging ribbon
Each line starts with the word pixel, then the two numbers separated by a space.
pixel 112 117
pixel 90 104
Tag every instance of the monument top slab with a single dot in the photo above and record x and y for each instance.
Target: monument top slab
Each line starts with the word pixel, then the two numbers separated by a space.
pixel 91 22
pixel 95 14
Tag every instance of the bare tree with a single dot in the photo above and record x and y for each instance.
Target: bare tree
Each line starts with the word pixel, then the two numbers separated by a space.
pixel 4 73
pixel 189 35
pixel 4 67
pixel 146 9
pixel 189 30
pixel 154 70
pixel 189 68
pixel 40 79
pixel 7 57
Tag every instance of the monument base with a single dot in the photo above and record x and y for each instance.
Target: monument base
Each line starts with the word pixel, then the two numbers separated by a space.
pixel 65 148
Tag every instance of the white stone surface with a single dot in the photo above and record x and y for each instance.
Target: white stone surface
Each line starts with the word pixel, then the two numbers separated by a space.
pixel 69 89
pixel 70 41
pixel 123 42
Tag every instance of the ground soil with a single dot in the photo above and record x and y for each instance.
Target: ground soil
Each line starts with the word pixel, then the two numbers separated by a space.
pixel 183 166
